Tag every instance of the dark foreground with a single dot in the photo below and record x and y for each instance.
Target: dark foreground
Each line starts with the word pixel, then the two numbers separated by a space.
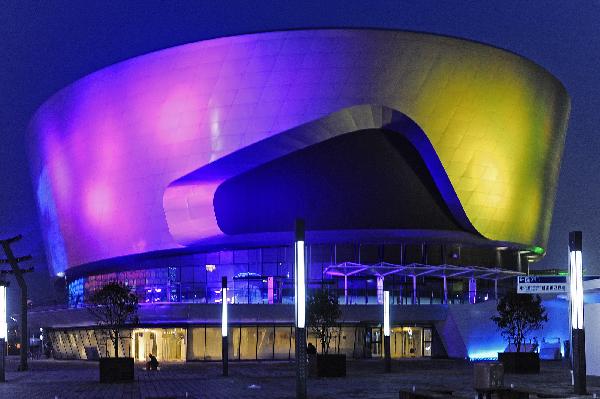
pixel 78 379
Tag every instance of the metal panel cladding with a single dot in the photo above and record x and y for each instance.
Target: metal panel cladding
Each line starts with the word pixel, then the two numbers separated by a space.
pixel 104 149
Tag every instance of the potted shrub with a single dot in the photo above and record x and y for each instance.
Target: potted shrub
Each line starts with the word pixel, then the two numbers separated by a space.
pixel 323 314
pixel 113 306
pixel 518 315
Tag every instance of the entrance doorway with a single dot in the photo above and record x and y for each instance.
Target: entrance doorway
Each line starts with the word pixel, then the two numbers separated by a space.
pixel 167 344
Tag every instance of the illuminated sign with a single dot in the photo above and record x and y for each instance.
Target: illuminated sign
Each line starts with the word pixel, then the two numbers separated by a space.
pixel 541 284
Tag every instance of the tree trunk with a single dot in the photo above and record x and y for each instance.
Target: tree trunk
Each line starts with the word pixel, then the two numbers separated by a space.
pixel 116 343
pixel 24 333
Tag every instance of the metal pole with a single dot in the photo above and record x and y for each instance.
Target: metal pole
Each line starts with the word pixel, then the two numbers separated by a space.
pixel 386 331
pixel 300 301
pixel 2 357
pixel 224 328
pixel 576 296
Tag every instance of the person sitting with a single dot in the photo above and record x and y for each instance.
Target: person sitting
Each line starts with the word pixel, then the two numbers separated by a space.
pixel 310 349
pixel 152 364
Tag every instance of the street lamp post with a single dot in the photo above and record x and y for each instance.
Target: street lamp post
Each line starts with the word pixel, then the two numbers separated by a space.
pixel 386 331
pixel 3 328
pixel 576 297
pixel 224 328
pixel 300 301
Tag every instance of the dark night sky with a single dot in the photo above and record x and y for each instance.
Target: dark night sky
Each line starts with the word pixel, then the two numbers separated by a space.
pixel 44 46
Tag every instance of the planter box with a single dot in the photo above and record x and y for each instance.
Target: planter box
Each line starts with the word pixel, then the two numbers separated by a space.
pixel 116 369
pixel 331 365
pixel 520 362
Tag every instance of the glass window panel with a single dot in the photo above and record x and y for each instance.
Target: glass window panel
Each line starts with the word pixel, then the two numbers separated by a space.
pixel 248 343
pixel 213 343
pixel 346 344
pixel 187 274
pixel 293 343
pixel 265 340
pixel 234 343
pixel 196 343
pixel 282 342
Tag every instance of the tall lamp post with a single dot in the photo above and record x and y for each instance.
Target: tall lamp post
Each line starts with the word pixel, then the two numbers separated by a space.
pixel 386 331
pixel 576 297
pixel 224 340
pixel 300 301
pixel 3 327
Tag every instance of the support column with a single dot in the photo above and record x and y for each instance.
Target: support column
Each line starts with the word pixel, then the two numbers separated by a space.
pixel 346 290
pixel 496 290
pixel 414 293
pixel 445 290
pixel 379 290
pixel 472 290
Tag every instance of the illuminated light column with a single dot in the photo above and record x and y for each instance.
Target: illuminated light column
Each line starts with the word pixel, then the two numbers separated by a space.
pixel 379 289
pixel 224 327
pixel 3 329
pixel 300 301
pixel 386 331
pixel 3 324
pixel 576 299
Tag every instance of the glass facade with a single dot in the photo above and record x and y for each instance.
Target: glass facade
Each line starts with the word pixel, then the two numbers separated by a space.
pixel 246 342
pixel 265 276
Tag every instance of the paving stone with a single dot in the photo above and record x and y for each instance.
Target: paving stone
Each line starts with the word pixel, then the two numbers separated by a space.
pixel 366 379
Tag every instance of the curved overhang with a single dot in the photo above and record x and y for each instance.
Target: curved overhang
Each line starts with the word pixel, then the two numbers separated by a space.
pixel 104 149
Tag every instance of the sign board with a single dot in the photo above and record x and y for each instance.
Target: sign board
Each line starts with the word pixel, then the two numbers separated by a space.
pixel 542 284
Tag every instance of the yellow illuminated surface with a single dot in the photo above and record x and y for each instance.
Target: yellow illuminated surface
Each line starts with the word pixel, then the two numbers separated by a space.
pixel 497 122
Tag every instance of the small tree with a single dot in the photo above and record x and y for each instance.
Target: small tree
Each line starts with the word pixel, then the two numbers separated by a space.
pixel 518 315
pixel 323 314
pixel 113 306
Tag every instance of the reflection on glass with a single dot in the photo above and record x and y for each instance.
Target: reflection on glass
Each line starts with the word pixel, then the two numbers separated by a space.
pixel 197 343
pixel 283 339
pixel 265 341
pixel 213 343
pixel 248 343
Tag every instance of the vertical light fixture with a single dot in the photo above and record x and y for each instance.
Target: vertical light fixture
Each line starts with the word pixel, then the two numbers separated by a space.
pixel 224 327
pixel 576 299
pixel 386 331
pixel 3 329
pixel 3 324
pixel 300 301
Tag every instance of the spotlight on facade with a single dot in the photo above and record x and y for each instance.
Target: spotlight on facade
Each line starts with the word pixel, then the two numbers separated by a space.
pixel 576 299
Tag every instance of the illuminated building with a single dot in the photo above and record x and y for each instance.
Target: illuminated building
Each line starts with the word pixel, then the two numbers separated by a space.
pixel 425 163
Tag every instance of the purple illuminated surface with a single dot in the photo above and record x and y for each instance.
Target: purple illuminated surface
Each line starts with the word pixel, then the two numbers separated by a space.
pixel 109 151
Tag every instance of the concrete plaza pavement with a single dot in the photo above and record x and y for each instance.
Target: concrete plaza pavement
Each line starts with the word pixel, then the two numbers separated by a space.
pixel 366 379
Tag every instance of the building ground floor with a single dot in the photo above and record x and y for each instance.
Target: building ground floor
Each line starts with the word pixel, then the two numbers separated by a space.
pixel 192 332
pixel 246 342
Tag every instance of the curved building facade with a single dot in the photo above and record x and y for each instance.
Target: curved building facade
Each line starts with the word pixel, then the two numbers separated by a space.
pixel 397 148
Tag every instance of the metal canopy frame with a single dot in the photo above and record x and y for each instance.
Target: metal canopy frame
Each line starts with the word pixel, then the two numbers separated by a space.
pixel 383 269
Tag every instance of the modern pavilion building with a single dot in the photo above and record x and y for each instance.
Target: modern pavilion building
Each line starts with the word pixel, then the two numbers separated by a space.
pixel 424 164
